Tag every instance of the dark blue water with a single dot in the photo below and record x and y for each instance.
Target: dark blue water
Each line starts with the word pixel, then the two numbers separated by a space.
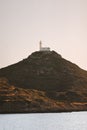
pixel 57 121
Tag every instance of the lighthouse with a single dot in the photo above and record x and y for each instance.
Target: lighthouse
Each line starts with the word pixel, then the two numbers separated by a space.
pixel 40 44
pixel 43 48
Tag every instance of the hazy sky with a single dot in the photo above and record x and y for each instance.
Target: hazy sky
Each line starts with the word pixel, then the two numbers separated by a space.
pixel 60 24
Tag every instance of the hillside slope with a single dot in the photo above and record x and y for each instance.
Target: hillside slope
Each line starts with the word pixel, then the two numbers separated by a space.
pixel 46 71
pixel 45 82
pixel 17 100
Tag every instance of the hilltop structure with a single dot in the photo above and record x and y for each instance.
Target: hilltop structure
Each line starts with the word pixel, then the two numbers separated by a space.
pixel 43 48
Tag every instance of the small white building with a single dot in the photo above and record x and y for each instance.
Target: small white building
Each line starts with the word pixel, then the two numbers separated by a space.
pixel 44 48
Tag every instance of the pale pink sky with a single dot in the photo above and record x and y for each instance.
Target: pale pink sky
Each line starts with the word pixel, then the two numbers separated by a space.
pixel 60 24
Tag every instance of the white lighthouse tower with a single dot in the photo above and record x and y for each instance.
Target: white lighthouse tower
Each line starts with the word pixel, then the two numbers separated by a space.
pixel 40 44
pixel 43 48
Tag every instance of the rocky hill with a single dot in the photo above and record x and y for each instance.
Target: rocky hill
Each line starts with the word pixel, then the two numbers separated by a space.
pixel 45 82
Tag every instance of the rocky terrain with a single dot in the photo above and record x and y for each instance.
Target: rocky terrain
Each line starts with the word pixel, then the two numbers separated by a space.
pixel 18 100
pixel 43 82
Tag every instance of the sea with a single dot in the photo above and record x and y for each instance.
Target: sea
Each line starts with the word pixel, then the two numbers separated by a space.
pixel 44 121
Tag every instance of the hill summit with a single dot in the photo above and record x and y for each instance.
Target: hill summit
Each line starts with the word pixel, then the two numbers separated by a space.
pixel 45 71
pixel 43 82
